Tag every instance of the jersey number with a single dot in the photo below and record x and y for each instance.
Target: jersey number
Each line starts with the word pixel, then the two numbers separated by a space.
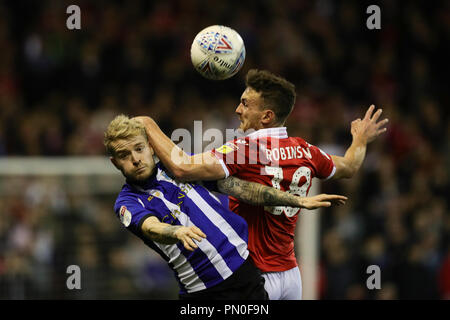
pixel 294 188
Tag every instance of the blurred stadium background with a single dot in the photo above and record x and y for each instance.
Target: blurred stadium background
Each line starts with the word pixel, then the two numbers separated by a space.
pixel 59 89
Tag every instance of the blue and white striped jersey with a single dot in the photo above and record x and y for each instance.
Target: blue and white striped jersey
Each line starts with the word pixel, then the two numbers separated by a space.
pixel 216 258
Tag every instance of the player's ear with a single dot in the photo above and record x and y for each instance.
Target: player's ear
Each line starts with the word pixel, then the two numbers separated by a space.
pixel 268 117
pixel 152 152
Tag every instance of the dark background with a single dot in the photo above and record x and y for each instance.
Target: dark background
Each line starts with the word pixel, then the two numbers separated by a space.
pixel 60 88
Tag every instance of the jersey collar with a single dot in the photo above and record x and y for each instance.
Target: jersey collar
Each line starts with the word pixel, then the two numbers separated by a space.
pixel 277 132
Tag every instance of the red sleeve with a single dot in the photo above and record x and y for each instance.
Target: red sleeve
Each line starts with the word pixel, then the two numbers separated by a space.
pixel 232 156
pixel 322 162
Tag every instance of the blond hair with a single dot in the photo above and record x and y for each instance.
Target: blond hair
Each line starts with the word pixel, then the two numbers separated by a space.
pixel 122 127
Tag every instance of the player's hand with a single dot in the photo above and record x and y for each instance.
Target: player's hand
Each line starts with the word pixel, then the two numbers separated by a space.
pixel 322 200
pixel 187 235
pixel 143 119
pixel 367 129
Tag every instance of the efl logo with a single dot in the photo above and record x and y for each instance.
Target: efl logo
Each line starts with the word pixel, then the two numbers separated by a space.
pixel 125 216
pixel 227 148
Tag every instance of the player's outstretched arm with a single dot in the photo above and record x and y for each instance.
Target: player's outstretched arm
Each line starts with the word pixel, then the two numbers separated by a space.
pixel 363 132
pixel 258 194
pixel 168 234
pixel 204 166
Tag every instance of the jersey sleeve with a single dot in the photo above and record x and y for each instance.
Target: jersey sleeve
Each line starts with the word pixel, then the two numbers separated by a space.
pixel 132 212
pixel 233 156
pixel 323 163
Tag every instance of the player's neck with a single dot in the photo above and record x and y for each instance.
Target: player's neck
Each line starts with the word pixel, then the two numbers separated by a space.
pixel 271 125
pixel 142 182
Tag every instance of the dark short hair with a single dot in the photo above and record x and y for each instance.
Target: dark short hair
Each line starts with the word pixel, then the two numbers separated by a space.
pixel 278 94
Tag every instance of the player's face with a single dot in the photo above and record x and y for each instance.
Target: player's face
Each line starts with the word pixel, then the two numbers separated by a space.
pixel 134 157
pixel 250 110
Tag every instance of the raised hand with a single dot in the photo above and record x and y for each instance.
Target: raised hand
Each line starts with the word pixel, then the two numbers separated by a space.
pixel 367 129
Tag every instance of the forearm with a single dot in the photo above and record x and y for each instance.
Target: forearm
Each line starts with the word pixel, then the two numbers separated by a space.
pixel 352 160
pixel 159 231
pixel 257 194
pixel 172 156
pixel 202 166
pixel 355 155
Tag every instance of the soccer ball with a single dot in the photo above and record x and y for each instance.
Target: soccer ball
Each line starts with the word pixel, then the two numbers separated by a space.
pixel 218 52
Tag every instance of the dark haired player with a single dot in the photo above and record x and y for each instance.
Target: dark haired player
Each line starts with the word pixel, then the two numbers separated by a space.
pixel 269 156
pixel 203 242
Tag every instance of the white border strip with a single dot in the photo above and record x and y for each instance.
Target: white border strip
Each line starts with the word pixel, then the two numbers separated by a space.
pixel 24 166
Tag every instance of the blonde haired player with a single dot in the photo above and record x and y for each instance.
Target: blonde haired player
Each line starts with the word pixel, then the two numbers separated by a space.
pixel 203 242
pixel 290 165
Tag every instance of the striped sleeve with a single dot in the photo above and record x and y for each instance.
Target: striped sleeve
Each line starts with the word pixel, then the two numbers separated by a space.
pixel 132 212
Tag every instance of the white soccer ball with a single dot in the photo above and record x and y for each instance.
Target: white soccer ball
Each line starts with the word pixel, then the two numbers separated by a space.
pixel 218 52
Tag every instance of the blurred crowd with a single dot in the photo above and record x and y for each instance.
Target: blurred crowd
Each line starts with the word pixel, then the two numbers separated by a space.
pixel 59 89
pixel 49 227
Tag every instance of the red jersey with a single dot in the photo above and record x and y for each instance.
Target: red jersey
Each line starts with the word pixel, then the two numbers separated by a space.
pixel 270 157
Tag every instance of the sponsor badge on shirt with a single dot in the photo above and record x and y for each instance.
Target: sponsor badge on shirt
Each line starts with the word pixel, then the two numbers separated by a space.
pixel 125 216
pixel 227 148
